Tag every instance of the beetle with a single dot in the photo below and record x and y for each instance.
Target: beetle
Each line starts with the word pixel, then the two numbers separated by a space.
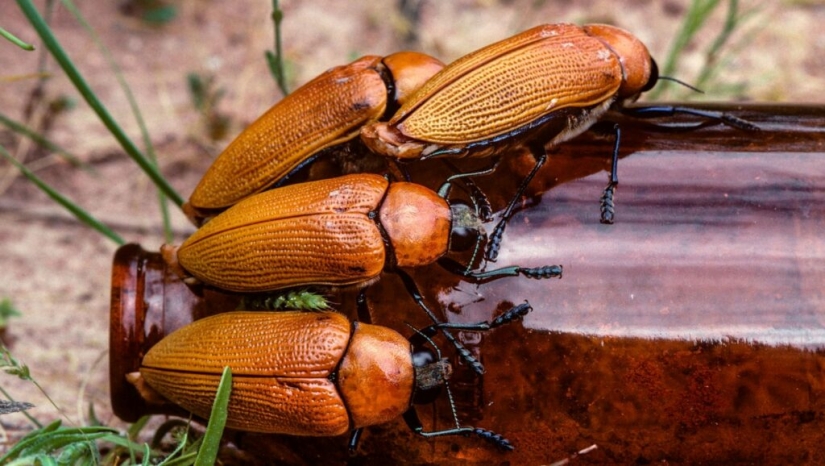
pixel 305 373
pixel 538 88
pixel 321 115
pixel 334 232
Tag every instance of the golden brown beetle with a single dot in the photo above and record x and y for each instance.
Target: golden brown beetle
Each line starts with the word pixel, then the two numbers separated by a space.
pixel 541 87
pixel 305 373
pixel 325 112
pixel 336 232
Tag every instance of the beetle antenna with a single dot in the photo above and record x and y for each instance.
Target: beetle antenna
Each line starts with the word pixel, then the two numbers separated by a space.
pixel 677 81
pixel 424 336
pixel 446 382
pixel 452 403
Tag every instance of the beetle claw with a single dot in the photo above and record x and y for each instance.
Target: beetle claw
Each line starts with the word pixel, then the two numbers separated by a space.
pixel 494 244
pixel 495 438
pixel 608 207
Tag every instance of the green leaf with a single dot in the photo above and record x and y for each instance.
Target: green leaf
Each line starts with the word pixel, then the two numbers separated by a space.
pixel 14 40
pixel 73 208
pixel 217 421
pixel 7 311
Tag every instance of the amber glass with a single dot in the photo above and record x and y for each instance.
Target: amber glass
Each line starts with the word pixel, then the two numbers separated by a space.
pixel 691 331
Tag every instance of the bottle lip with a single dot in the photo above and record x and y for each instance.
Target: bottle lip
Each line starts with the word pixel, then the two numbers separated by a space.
pixel 126 328
pixel 142 287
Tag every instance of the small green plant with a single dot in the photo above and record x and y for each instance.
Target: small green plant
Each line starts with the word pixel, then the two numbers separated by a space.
pixel 14 40
pixel 7 311
pixel 303 300
pixel 59 444
pixel 205 97
pixel 716 55
pixel 275 59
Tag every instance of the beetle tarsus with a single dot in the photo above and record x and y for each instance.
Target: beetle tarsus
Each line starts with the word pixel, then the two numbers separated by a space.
pixel 495 438
pixel 539 273
pixel 494 244
pixel 515 313
pixel 608 208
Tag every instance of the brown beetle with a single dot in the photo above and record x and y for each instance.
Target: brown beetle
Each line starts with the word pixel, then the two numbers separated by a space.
pixel 538 88
pixel 324 113
pixel 305 373
pixel 336 232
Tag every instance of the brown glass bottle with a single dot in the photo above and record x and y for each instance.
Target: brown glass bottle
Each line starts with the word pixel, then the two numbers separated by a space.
pixel 691 331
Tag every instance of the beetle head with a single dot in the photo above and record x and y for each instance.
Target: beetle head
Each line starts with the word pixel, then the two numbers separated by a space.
pixel 431 373
pixel 466 229
pixel 638 68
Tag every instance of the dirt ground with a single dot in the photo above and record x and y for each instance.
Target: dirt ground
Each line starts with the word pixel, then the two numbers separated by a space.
pixel 56 272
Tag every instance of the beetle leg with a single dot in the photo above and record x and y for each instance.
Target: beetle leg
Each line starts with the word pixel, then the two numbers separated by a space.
pixel 463 352
pixel 512 314
pixel 608 210
pixel 537 273
pixel 294 171
pixel 414 423
pixel 477 196
pixel 363 306
pixel 494 243
pixel 654 111
pixel 354 438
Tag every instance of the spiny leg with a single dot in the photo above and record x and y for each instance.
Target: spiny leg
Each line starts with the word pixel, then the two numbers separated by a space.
pixel 511 315
pixel 414 423
pixel 362 306
pixel 463 352
pixel 608 210
pixel 494 243
pixel 354 438
pixel 537 273
pixel 479 199
pixel 654 111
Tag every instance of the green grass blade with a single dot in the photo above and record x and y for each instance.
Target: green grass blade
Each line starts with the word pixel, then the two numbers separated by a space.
pixel 76 210
pixel 127 90
pixel 41 141
pixel 276 60
pixel 697 15
pixel 45 33
pixel 217 420
pixel 14 40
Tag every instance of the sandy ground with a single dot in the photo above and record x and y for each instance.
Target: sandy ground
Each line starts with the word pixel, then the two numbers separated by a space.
pixel 56 272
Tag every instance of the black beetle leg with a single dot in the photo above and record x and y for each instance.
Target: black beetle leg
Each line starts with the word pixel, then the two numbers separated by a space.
pixel 607 207
pixel 465 354
pixel 654 111
pixel 354 438
pixel 362 305
pixel 516 312
pixel 494 243
pixel 537 273
pixel 414 423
